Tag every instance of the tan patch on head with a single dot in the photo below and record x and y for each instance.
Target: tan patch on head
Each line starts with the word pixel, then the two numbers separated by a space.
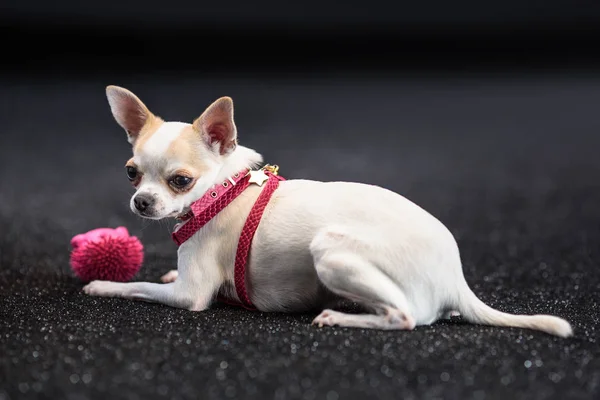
pixel 186 149
pixel 150 127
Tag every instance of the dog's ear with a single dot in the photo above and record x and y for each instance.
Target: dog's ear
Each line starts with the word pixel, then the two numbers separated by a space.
pixel 217 127
pixel 128 110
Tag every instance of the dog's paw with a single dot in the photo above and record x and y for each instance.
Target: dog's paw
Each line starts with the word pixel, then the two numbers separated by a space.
pixel 170 276
pixel 101 288
pixel 451 314
pixel 326 318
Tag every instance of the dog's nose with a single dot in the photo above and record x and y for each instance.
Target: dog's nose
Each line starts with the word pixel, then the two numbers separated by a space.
pixel 143 201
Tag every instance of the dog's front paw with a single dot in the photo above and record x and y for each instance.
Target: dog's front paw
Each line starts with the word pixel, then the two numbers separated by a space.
pixel 170 276
pixel 101 288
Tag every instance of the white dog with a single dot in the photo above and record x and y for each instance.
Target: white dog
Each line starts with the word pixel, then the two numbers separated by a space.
pixel 316 242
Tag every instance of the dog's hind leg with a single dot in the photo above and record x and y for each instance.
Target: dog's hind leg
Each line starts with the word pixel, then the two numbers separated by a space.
pixel 344 271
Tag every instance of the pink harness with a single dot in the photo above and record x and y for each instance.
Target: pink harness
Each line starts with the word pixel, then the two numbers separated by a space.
pixel 213 202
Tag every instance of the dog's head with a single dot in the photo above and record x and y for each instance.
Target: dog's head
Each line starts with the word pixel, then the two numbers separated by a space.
pixel 173 163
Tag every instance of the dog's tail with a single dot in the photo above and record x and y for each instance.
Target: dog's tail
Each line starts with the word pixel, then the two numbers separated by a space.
pixel 476 311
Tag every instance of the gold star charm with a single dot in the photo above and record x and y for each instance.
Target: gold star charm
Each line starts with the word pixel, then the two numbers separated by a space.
pixel 259 177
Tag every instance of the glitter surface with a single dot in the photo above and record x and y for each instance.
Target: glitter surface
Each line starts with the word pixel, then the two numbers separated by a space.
pixel 510 167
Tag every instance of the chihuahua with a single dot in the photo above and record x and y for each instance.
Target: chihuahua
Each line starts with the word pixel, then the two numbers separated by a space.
pixel 316 243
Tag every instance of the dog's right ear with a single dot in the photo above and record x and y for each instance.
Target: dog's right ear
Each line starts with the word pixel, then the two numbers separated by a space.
pixel 128 110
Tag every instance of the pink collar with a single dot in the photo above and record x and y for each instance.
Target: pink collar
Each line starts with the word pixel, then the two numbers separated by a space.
pixel 219 197
pixel 210 204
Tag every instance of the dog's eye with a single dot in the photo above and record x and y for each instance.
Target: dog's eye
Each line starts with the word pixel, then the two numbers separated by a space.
pixel 132 173
pixel 180 181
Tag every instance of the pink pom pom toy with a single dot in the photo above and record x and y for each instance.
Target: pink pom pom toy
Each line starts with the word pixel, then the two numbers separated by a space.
pixel 106 254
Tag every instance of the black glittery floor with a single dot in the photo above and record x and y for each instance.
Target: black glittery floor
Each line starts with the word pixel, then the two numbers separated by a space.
pixel 510 165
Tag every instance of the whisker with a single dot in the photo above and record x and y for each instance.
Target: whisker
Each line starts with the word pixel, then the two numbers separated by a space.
pixel 145 223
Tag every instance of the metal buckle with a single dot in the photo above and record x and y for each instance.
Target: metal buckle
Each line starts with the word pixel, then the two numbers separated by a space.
pixel 274 169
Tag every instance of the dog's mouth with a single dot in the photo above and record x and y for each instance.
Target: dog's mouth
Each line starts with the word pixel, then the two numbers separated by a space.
pixel 146 215
pixel 180 215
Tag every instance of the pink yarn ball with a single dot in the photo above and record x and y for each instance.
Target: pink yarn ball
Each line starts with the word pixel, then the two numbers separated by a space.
pixel 106 254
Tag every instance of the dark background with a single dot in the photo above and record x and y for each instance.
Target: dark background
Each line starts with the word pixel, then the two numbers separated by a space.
pixel 281 38
pixel 484 113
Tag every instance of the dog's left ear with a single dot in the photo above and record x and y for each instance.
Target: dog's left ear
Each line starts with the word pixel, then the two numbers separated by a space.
pixel 217 127
pixel 128 110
